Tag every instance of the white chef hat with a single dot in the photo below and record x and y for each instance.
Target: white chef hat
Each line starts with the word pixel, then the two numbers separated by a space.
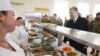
pixel 5 5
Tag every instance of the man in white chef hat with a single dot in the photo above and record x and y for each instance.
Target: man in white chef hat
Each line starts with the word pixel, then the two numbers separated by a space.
pixel 20 34
pixel 7 25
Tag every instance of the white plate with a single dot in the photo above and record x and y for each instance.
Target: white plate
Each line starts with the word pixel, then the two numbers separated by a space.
pixel 65 45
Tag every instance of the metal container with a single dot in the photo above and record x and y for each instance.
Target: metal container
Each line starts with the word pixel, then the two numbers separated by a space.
pixel 52 41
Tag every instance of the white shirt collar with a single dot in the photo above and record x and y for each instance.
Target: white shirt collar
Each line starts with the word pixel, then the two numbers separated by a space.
pixel 75 19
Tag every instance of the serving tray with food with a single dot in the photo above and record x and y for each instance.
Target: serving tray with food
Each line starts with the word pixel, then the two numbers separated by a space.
pixel 45 47
pixel 68 50
pixel 42 50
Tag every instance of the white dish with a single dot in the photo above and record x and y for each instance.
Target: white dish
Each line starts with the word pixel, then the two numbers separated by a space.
pixel 60 48
pixel 37 41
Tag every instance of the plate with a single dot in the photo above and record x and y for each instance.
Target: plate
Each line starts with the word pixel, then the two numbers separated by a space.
pixel 65 48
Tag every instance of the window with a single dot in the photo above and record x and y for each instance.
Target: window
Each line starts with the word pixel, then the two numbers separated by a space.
pixel 61 8
pixel 83 8
pixel 96 9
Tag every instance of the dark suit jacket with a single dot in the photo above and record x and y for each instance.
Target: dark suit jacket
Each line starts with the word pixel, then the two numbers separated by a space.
pixel 81 24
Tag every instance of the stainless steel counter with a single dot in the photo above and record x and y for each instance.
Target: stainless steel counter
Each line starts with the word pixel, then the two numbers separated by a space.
pixel 83 37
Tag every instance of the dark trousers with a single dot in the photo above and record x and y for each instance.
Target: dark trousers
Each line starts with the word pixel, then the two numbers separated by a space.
pixel 65 39
pixel 76 45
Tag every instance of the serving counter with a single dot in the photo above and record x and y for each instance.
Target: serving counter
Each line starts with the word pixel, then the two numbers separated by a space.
pixel 87 38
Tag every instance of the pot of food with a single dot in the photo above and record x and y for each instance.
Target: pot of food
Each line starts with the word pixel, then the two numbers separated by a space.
pixel 52 41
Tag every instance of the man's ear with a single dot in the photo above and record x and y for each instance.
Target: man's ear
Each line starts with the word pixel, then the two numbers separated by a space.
pixel 1 17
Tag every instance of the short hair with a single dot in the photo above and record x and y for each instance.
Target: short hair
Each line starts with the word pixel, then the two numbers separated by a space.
pixel 98 14
pixel 55 14
pixel 45 15
pixel 18 18
pixel 87 16
pixel 74 8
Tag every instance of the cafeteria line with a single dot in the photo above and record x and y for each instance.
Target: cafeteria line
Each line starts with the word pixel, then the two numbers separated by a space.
pixel 38 33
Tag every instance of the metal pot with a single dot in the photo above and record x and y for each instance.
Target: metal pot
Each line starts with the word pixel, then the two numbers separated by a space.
pixel 52 41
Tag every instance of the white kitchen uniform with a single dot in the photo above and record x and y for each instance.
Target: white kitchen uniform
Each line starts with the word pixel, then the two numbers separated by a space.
pixel 16 36
pixel 5 5
pixel 6 52
pixel 20 34
pixel 15 39
pixel 24 35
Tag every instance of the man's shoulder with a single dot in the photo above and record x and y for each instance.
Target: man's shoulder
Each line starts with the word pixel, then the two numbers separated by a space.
pixel 83 19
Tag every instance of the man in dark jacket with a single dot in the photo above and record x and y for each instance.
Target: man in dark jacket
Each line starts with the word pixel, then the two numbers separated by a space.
pixel 77 22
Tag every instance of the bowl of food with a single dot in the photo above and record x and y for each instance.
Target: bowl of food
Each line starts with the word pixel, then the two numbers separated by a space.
pixel 52 41
pixel 31 33
pixel 72 54
pixel 67 49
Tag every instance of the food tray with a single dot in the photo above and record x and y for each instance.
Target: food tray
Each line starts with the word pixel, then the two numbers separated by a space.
pixel 73 52
pixel 42 49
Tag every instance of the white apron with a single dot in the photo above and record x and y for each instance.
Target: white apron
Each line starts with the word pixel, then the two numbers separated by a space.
pixel 6 52
pixel 21 34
